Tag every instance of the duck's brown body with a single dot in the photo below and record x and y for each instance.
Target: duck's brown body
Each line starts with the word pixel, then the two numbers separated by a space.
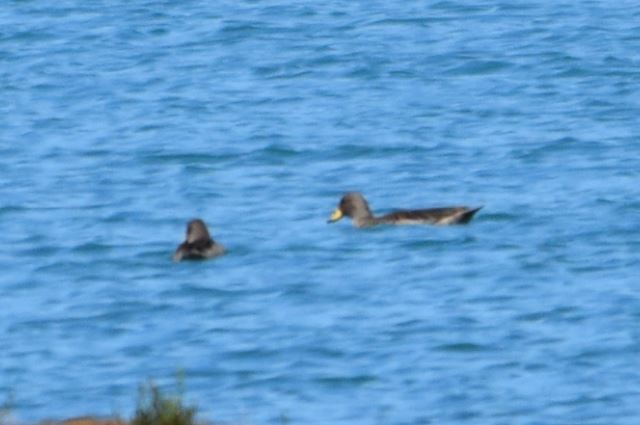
pixel 355 206
pixel 198 244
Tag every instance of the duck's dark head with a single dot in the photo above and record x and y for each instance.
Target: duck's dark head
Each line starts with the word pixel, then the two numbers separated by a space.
pixel 197 231
pixel 352 205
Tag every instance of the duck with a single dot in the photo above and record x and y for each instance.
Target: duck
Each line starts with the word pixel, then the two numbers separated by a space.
pixel 198 245
pixel 355 206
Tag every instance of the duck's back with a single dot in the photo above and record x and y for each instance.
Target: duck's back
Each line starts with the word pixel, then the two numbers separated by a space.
pixel 198 250
pixel 442 216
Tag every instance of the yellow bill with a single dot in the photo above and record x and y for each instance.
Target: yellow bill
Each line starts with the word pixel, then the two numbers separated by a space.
pixel 337 215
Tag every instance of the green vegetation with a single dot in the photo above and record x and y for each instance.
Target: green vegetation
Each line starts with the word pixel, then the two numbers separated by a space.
pixel 156 408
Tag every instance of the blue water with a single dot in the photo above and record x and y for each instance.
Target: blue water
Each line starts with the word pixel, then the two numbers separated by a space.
pixel 120 121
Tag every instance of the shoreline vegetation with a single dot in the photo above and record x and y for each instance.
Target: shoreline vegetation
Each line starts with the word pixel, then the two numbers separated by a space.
pixel 154 407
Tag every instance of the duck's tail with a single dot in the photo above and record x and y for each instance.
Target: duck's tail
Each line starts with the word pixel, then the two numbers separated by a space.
pixel 466 216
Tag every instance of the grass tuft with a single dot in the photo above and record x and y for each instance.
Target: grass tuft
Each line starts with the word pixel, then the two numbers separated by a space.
pixel 156 408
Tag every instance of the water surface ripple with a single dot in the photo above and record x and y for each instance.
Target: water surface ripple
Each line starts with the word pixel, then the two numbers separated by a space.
pixel 120 123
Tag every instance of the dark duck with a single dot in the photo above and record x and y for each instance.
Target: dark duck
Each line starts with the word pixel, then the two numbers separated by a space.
pixel 355 206
pixel 198 244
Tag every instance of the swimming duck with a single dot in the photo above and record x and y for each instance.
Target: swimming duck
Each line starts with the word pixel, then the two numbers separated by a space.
pixel 198 244
pixel 355 206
